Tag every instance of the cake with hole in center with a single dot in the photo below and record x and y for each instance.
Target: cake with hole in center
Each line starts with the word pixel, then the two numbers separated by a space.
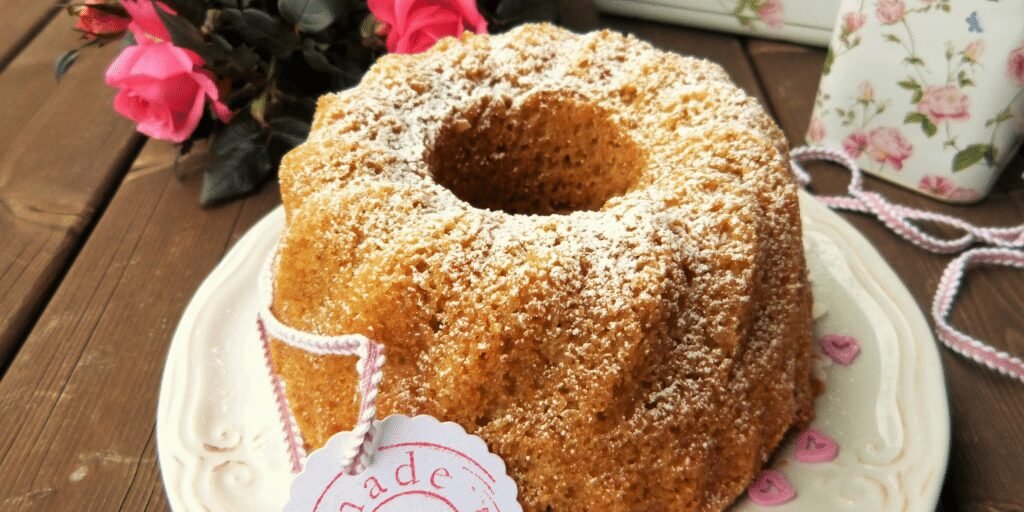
pixel 582 249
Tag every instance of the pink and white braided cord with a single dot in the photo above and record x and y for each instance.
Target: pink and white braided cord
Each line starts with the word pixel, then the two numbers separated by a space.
pixel 358 450
pixel 1005 247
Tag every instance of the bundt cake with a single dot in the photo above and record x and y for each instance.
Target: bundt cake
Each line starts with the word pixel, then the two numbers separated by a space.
pixel 581 249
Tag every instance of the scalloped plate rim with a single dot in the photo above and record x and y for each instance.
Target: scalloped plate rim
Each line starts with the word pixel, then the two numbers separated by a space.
pixel 171 401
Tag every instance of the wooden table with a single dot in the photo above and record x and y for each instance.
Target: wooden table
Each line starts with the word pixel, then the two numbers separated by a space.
pixel 101 247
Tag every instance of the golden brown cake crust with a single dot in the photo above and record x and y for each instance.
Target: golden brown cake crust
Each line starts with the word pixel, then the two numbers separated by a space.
pixel 582 249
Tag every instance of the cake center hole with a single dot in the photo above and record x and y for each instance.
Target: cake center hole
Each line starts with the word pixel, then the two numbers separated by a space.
pixel 553 154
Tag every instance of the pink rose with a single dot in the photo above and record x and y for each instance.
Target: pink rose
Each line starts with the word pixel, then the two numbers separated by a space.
pixel 973 51
pixel 888 145
pixel 865 91
pixel 1016 65
pixel 936 185
pixel 96 23
pixel 816 131
pixel 415 25
pixel 163 89
pixel 853 21
pixel 942 102
pixel 146 25
pixel 890 11
pixel 771 13
pixel 855 143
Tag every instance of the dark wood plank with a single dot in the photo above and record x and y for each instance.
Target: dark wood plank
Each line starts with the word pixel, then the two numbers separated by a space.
pixel 22 20
pixel 77 406
pixel 62 151
pixel 987 410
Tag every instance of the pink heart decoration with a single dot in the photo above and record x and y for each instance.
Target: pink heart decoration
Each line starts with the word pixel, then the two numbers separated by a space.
pixel 814 447
pixel 842 349
pixel 771 488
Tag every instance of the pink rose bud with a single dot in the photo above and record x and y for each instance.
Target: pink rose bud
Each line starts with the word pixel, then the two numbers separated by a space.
pixel 890 11
pixel 96 23
pixel 146 25
pixel 853 21
pixel 1016 65
pixel 163 89
pixel 865 91
pixel 771 13
pixel 973 51
pixel 415 25
pixel 941 102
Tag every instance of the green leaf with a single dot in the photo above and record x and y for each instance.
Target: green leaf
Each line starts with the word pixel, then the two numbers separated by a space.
pixel 917 96
pixel 261 30
pixel 891 38
pixel 317 60
pixel 186 35
pixel 914 60
pixel 1005 115
pixel 830 58
pixel 241 172
pixel 311 16
pixel 242 130
pixel 910 84
pixel 969 156
pixel 242 162
pixel 192 10
pixel 243 58
pixel 290 130
pixel 927 126
pixel 914 118
pixel 64 62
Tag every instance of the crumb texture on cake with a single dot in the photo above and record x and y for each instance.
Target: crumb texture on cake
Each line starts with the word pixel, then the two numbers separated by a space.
pixel 582 249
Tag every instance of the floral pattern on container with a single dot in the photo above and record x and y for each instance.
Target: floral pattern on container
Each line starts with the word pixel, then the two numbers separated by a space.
pixel 942 187
pixel 946 85
pixel 747 12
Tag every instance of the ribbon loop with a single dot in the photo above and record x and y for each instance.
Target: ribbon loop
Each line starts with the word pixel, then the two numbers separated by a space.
pixel 359 449
pixel 961 343
pixel 1005 244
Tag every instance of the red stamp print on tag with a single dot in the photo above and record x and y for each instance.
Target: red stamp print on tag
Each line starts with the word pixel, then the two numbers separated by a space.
pixel 419 464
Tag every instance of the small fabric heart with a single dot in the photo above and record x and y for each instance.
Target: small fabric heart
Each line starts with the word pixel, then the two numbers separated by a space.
pixel 771 488
pixel 841 349
pixel 814 447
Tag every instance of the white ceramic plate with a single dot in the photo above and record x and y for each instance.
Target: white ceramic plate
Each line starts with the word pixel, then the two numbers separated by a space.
pixel 221 446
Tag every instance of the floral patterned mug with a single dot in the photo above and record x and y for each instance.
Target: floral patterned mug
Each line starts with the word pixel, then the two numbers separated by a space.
pixel 928 94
